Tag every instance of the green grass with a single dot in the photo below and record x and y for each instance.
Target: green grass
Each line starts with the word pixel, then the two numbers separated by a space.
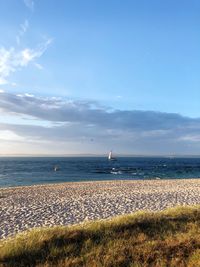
pixel 168 238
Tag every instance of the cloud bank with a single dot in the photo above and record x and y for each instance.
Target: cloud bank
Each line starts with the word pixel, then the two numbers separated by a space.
pixel 87 127
pixel 91 113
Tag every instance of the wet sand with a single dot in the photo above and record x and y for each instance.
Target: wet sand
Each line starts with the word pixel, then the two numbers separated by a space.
pixel 22 208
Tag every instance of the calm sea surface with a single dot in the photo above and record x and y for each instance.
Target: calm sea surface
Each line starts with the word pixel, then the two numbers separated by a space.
pixel 29 171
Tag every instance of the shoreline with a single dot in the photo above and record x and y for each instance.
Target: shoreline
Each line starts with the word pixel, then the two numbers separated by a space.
pixel 26 207
pixel 97 181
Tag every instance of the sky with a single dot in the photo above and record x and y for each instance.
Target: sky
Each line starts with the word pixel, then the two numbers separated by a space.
pixel 85 77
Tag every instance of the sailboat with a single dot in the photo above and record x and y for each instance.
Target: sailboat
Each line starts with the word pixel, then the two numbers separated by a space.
pixel 110 156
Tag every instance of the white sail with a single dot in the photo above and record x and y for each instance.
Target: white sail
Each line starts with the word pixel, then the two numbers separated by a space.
pixel 110 155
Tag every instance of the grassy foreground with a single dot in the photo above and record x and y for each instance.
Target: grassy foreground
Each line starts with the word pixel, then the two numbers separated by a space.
pixel 169 238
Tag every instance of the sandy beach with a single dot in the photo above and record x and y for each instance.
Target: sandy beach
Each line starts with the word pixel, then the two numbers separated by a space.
pixel 22 208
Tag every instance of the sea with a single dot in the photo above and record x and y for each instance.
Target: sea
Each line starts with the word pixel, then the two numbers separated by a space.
pixel 20 171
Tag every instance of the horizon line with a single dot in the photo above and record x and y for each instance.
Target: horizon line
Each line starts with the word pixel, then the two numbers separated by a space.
pixel 99 155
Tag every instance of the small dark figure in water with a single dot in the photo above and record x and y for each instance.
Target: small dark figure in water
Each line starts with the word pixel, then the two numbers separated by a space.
pixel 56 168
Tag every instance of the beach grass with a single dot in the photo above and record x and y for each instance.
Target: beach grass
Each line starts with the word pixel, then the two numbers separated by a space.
pixel 166 238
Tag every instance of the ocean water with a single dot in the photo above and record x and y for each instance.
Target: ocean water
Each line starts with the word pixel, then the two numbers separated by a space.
pixel 28 171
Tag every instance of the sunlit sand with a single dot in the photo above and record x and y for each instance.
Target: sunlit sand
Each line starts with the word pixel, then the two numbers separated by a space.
pixel 22 208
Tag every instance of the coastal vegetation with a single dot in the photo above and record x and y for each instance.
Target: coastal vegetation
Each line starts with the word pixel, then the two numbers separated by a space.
pixel 166 238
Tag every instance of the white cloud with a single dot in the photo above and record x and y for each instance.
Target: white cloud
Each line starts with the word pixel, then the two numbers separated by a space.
pixel 23 29
pixel 38 66
pixel 29 95
pixel 14 84
pixel 29 4
pixel 190 138
pixel 24 26
pixel 12 59
pixel 7 135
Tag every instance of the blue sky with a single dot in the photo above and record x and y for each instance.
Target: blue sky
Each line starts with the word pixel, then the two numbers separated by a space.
pixel 90 73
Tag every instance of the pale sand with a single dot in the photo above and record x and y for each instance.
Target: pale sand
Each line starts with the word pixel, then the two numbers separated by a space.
pixel 23 208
